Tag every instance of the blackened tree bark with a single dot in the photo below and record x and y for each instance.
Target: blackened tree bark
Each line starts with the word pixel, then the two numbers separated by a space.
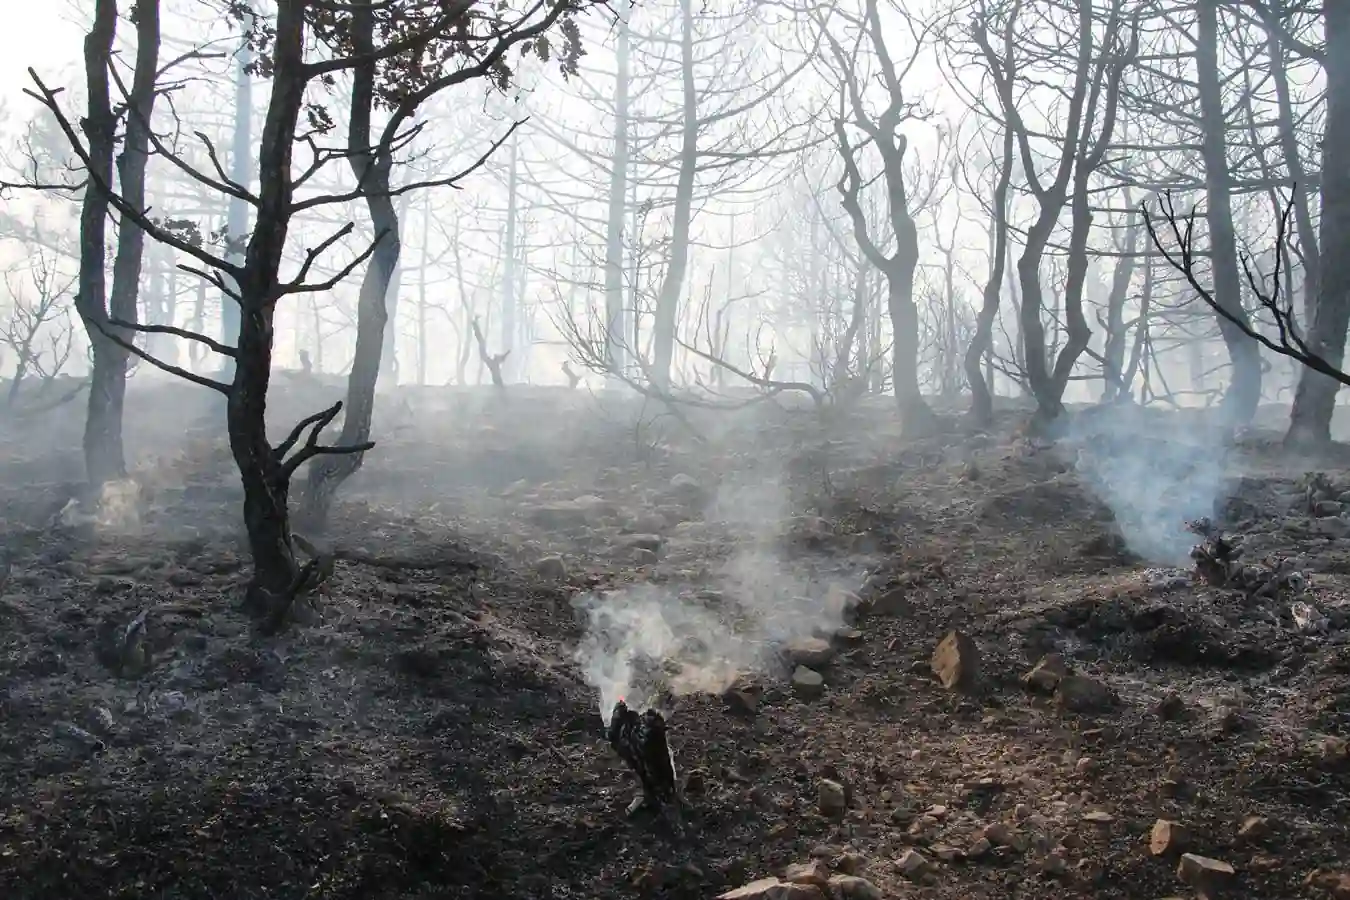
pixel 1093 101
pixel 1244 391
pixel 1292 150
pixel 981 400
pixel 899 265
pixel 372 162
pixel 99 125
pixel 672 284
pixel 1315 398
pixel 107 399
pixel 266 471
pixel 371 168
pixel 1117 332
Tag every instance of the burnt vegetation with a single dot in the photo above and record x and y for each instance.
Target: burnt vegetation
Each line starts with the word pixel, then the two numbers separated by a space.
pixel 747 450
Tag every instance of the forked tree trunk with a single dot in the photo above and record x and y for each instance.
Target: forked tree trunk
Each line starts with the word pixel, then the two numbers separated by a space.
pixel 265 479
pixel 1113 353
pixel 127 265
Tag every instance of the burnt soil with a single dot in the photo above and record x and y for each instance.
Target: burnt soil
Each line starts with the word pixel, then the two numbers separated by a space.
pixel 433 736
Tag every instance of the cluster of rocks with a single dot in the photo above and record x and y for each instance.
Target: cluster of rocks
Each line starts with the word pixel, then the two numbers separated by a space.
pixel 826 875
pixel 1049 842
pixel 1208 875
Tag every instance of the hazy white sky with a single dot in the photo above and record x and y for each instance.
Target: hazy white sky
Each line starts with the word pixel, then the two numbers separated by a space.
pixel 40 35
pixel 48 35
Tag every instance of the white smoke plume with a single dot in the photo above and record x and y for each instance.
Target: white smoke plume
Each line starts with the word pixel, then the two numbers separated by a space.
pixel 647 639
pixel 1154 473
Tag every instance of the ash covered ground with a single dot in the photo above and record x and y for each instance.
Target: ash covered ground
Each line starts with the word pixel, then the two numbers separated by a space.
pixel 784 591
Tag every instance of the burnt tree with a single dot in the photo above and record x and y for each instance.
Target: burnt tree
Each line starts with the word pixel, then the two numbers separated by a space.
pixel 982 401
pixel 266 470
pixel 898 266
pixel 401 87
pixel 1097 70
pixel 1244 394
pixel 1315 399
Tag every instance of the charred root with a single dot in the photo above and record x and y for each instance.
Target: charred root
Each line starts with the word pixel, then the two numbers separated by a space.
pixel 297 599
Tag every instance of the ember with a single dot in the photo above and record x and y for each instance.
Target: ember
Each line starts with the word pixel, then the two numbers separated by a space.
pixel 640 741
pixel 1218 560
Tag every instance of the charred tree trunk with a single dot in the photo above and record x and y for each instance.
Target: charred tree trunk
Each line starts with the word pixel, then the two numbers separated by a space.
pixel 510 327
pixel 196 349
pixel 1113 353
pixel 1141 331
pixel 491 361
pixel 371 168
pixel 102 429
pixel 241 158
pixel 1315 399
pixel 170 307
pixel 422 303
pixel 981 400
pixel 904 313
pixel 1076 331
pixel 127 265
pixel 668 299
pixel 1272 12
pixel 1244 392
pixel 389 362
pixel 1097 79
pixel 265 476
pixel 899 266
pixel 615 328
pixel 317 319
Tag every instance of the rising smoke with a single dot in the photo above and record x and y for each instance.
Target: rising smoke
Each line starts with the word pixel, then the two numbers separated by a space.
pixel 1153 474
pixel 647 639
